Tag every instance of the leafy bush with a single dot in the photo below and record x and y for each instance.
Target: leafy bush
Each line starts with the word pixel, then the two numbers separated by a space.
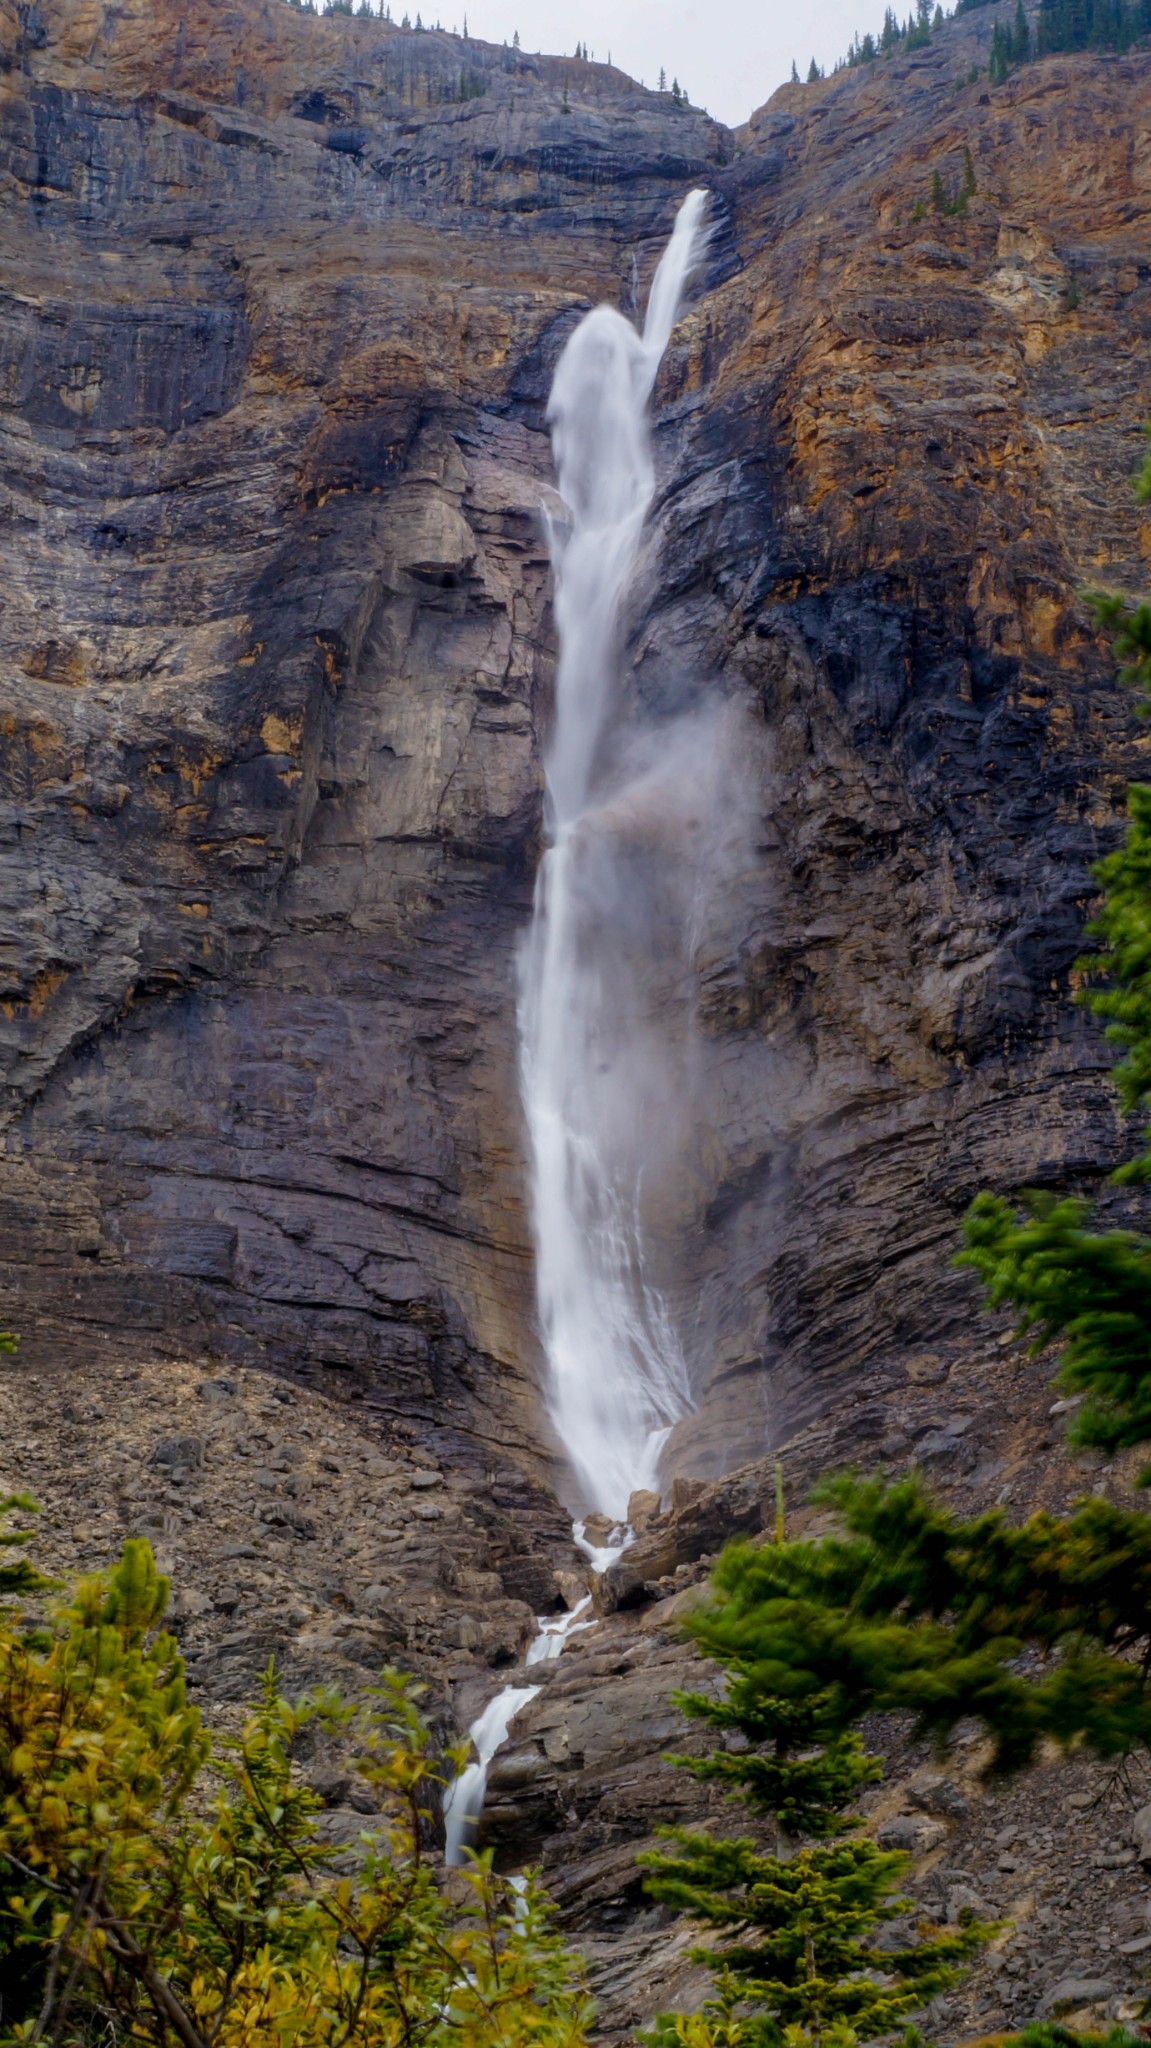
pixel 1050 2034
pixel 158 1887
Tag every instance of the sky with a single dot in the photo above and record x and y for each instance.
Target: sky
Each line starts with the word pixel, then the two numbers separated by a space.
pixel 729 55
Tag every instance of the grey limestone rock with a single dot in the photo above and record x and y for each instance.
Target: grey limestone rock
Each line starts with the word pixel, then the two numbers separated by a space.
pixel 963 1898
pixel 915 1832
pixel 177 1451
pixel 931 1792
pixel 1141 1835
pixel 1072 1994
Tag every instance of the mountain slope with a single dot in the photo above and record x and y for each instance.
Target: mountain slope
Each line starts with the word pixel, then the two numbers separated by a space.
pixel 279 318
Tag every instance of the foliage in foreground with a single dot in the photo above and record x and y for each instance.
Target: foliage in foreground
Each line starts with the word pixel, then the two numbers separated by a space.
pixel 1052 2034
pixel 157 1888
pixel 19 1578
pixel 910 1608
pixel 806 1951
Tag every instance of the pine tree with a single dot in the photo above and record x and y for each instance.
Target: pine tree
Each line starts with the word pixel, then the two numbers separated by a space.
pixel 516 39
pixel 662 87
pixel 814 74
pixel 1091 24
pixel 797 1956
pixel 19 1578
pixel 913 1609
pixel 794 72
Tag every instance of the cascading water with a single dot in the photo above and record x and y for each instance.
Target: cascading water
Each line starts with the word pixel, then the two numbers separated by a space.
pixel 464 1801
pixel 465 1797
pixel 617 1379
pixel 617 1382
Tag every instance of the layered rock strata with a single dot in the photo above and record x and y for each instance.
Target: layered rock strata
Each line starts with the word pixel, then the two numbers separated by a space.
pixel 282 297
pixel 274 635
pixel 281 301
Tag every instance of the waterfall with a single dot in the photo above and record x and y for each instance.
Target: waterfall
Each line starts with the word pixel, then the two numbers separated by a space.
pixel 465 1796
pixel 616 1377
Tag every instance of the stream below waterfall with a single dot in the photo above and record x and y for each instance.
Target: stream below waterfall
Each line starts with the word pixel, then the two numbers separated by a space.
pixel 464 1799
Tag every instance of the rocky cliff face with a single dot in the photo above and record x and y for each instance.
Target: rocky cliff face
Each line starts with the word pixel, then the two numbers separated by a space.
pixel 280 302
pixel 282 297
pixel 277 326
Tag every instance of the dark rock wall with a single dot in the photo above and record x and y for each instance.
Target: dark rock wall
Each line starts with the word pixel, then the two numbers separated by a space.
pixel 280 302
pixel 916 450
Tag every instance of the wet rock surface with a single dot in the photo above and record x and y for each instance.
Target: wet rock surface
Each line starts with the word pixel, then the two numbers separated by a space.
pixel 273 643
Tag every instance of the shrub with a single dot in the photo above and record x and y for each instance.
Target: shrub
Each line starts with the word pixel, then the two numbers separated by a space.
pixel 165 1888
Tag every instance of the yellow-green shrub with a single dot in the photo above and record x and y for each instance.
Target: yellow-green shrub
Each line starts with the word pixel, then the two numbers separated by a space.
pixel 158 1886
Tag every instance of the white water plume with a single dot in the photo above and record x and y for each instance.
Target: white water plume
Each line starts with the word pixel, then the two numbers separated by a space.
pixel 554 1631
pixel 595 1092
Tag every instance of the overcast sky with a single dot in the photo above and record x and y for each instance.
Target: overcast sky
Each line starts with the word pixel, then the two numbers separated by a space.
pixel 729 55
